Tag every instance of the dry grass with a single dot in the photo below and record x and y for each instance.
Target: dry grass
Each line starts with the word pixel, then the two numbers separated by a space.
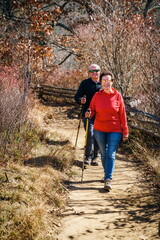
pixel 32 193
pixel 147 156
pixel 29 202
pixel 145 148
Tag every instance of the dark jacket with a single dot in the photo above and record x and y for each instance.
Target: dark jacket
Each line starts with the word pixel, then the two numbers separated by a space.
pixel 88 88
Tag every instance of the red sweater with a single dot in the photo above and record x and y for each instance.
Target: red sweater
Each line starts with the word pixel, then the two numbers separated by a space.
pixel 109 111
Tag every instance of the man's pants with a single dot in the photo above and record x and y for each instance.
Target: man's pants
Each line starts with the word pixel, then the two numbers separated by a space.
pixel 92 145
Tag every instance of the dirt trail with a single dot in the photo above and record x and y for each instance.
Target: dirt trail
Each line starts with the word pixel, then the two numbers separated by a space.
pixel 128 212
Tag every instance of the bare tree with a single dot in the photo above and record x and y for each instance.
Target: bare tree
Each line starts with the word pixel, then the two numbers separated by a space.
pixel 128 45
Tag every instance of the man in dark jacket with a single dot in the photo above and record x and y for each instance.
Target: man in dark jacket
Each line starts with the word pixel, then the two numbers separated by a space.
pixel 86 90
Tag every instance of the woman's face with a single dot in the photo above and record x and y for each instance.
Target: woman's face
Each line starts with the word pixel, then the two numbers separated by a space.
pixel 107 82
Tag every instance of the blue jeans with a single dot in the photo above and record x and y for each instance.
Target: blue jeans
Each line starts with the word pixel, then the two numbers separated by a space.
pixel 108 143
pixel 92 147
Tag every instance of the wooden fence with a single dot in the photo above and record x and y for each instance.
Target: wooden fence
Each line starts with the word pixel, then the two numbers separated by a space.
pixel 49 93
pixel 137 119
pixel 143 121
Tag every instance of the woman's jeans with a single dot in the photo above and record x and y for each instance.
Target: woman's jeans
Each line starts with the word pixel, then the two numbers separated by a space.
pixel 92 147
pixel 108 143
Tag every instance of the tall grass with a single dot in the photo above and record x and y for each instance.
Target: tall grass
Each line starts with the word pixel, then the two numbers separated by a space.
pixel 145 148
pixel 32 194
pixel 30 203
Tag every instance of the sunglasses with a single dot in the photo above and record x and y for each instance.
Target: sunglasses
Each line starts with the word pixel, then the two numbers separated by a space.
pixel 92 71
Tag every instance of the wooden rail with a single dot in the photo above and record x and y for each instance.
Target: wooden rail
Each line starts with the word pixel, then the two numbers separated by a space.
pixel 137 119
pixel 46 92
pixel 143 121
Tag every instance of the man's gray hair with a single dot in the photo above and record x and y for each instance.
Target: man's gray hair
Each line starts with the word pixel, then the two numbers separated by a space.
pixel 94 65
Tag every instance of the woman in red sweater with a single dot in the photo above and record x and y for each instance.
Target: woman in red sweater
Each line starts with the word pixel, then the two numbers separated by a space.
pixel 110 125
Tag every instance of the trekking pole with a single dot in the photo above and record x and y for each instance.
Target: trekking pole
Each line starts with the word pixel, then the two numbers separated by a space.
pixel 85 144
pixel 79 125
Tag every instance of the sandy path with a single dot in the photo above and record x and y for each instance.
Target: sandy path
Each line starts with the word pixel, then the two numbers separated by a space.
pixel 128 212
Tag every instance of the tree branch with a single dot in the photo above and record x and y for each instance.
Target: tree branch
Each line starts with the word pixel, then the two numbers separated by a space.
pixel 65 27
pixel 64 48
pixel 65 58
pixel 148 3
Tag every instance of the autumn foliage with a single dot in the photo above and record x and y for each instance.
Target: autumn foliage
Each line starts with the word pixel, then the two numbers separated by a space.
pixel 129 47
pixel 122 36
pixel 54 42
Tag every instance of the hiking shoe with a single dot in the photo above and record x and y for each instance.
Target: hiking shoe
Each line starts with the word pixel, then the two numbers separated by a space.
pixel 87 161
pixel 102 180
pixel 107 184
pixel 94 162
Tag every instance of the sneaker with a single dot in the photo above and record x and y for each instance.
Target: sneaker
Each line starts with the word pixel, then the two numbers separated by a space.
pixel 94 162
pixel 87 161
pixel 102 180
pixel 107 184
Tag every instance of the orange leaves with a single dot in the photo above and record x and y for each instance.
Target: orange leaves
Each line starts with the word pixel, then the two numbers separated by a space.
pixel 41 21
pixel 58 10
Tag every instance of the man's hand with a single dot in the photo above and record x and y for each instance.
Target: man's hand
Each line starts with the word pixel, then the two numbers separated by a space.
pixel 83 99
pixel 88 113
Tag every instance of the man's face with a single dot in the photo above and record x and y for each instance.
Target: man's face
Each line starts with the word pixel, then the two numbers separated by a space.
pixel 94 73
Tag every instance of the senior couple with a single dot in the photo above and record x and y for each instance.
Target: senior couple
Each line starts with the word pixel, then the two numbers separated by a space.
pixel 104 107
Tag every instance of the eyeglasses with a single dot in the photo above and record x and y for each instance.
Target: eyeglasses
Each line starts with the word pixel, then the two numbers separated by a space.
pixel 92 71
pixel 107 80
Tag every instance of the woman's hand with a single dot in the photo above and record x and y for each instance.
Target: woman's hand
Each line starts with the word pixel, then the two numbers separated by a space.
pixel 88 113
pixel 125 137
